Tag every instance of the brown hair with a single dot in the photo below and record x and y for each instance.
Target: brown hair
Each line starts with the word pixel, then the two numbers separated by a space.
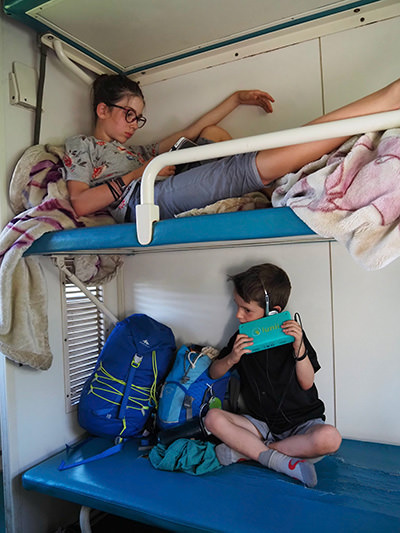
pixel 111 88
pixel 250 285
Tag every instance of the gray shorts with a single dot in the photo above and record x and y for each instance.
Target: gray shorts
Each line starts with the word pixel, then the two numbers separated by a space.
pixel 203 185
pixel 297 430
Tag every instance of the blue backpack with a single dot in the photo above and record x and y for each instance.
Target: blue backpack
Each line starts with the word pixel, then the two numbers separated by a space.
pixel 188 391
pixel 122 392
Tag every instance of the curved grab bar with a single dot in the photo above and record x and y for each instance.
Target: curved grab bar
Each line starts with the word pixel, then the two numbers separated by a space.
pixel 58 48
pixel 60 262
pixel 147 212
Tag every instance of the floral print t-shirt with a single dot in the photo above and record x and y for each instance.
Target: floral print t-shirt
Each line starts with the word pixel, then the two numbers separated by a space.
pixel 94 162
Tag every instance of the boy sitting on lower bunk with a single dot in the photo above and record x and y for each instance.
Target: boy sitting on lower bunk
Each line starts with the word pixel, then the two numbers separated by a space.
pixel 284 427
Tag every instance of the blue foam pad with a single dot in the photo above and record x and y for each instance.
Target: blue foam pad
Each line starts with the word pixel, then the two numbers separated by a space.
pixel 242 225
pixel 358 490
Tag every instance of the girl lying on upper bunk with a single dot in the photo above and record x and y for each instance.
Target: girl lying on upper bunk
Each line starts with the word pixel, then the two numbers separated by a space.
pixel 103 173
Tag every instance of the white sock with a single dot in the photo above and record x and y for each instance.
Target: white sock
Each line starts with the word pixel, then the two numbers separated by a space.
pixel 300 469
pixel 227 456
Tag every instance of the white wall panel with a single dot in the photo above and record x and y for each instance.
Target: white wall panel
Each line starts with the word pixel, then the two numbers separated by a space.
pixel 367 346
pixel 66 109
pixel 359 61
pixel 291 75
pixel 40 426
pixel 189 292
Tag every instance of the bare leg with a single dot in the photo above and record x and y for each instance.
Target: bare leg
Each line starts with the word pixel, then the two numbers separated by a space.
pixel 215 133
pixel 276 162
pixel 239 433
pixel 241 440
pixel 319 440
pixel 235 431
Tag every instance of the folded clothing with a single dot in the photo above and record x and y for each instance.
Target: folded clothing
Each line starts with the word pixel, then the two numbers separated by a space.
pixel 185 455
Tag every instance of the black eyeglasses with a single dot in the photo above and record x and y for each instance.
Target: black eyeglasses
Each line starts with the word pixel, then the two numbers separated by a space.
pixel 131 116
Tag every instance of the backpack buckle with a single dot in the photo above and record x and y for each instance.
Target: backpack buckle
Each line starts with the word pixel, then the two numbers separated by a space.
pixel 187 404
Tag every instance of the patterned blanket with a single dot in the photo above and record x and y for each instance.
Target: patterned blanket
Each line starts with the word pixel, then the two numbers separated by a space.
pixel 39 195
pixel 247 202
pixel 353 196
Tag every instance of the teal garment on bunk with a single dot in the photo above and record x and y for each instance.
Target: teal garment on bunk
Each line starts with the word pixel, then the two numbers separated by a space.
pixel 185 455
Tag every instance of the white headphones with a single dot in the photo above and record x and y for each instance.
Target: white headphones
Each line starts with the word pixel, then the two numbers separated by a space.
pixel 267 311
pixel 266 301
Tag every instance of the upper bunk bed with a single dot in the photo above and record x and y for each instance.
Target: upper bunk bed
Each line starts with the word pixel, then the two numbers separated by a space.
pixel 95 49
pixel 260 225
pixel 240 227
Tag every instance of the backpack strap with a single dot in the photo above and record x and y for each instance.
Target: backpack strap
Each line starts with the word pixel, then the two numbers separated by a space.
pixel 135 363
pixel 106 453
pixel 187 404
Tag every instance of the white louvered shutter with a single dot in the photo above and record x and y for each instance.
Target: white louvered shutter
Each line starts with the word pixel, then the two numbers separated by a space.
pixel 84 337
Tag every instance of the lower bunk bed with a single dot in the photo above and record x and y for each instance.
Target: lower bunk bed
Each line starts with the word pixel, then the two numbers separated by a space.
pixel 358 490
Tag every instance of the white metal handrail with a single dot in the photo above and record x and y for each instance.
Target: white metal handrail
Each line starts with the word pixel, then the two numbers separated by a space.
pixel 60 262
pixel 147 212
pixel 65 60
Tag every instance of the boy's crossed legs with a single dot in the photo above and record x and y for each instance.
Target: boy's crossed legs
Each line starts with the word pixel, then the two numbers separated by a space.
pixel 293 455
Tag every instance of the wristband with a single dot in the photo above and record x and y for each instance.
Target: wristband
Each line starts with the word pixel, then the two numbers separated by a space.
pixel 302 357
pixel 113 190
pixel 119 182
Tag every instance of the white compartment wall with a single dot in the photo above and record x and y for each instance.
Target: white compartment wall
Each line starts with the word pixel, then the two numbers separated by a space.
pixel 291 75
pixel 188 289
pixel 34 423
pixel 367 340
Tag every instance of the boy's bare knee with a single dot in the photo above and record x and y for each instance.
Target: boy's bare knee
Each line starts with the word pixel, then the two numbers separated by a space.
pixel 335 439
pixel 328 440
pixel 212 419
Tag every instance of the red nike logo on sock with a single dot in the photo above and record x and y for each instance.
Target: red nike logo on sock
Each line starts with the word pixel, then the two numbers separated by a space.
pixel 292 465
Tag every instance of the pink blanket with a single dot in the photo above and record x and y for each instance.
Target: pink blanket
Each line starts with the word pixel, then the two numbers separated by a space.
pixel 353 196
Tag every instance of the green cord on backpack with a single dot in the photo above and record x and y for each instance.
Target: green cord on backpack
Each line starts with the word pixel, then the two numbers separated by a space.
pixel 122 392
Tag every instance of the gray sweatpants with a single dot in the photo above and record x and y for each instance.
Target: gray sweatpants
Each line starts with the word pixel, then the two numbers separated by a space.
pixel 203 185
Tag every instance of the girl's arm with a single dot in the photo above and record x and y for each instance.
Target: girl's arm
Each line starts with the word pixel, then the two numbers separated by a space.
pixel 215 115
pixel 304 369
pixel 88 200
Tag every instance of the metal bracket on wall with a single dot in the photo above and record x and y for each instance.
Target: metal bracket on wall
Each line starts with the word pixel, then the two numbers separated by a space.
pixel 23 85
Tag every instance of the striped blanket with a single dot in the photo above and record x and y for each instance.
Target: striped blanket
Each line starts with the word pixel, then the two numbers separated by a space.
pixel 38 190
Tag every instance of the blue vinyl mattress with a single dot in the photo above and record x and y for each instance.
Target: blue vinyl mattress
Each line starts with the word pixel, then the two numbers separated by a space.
pixel 358 490
pixel 243 225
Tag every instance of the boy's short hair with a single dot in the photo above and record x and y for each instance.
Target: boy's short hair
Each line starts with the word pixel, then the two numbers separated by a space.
pixel 250 285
